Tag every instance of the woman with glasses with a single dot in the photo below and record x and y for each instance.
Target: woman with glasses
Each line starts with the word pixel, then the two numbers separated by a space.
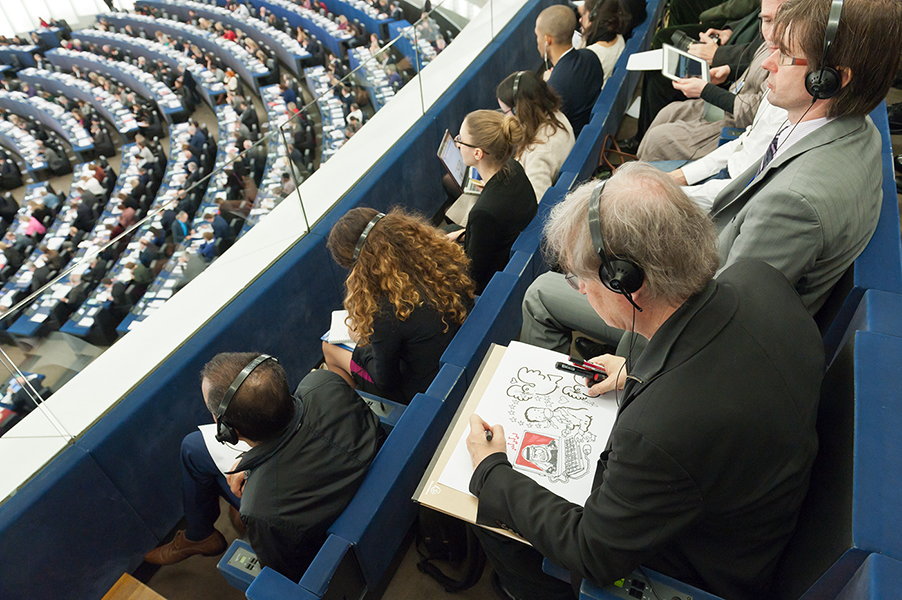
pixel 407 293
pixel 507 204
pixel 548 136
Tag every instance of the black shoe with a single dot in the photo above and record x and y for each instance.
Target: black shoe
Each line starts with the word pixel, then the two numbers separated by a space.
pixel 894 114
pixel 897 163
pixel 588 349
pixel 631 145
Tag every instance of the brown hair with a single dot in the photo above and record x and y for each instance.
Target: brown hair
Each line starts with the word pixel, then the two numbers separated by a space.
pixel 405 261
pixel 534 105
pixel 610 17
pixel 496 134
pixel 263 405
pixel 868 44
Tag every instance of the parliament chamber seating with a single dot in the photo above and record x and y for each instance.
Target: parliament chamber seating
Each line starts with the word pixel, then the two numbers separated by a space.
pixel 151 420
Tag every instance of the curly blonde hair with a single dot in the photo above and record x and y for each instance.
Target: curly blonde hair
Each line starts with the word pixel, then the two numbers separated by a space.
pixel 404 260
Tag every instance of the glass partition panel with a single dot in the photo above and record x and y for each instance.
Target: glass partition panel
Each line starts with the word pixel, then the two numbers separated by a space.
pixel 311 113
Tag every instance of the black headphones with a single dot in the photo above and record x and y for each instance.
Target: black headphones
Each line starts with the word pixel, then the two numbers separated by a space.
pixel 225 433
pixel 826 82
pixel 620 275
pixel 514 93
pixel 365 234
pixel 594 14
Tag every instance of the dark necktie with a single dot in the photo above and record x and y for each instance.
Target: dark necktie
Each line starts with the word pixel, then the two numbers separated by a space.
pixel 771 150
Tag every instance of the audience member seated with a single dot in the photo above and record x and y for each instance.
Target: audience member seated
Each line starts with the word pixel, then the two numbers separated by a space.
pixel 576 75
pixel 10 175
pixel 682 130
pixel 507 204
pixel 809 206
pixel 548 137
pixel 309 452
pixel 706 468
pixel 403 309
pixel 735 48
pixel 602 23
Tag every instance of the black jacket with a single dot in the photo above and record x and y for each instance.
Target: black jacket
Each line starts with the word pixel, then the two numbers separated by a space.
pixel 709 458
pixel 577 78
pixel 301 482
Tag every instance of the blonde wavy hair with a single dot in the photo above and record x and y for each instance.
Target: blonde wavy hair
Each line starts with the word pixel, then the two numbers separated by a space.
pixel 404 260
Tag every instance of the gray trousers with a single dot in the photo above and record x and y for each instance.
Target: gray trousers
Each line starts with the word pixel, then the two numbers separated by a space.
pixel 552 311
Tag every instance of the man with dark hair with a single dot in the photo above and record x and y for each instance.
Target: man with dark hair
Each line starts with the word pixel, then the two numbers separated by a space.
pixel 309 454
pixel 810 205
pixel 709 458
pixel 576 75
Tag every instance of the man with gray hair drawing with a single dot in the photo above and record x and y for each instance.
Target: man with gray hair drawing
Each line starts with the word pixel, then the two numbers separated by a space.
pixel 708 461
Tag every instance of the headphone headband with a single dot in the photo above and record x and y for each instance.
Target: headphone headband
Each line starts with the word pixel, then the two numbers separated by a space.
pixel 516 87
pixel 620 275
pixel 225 433
pixel 365 234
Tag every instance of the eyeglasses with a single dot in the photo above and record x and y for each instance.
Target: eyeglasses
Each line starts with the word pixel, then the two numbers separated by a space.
pixel 573 280
pixel 787 61
pixel 460 143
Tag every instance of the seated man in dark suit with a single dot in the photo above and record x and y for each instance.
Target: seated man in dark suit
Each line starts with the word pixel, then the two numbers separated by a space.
pixel 10 176
pixel 704 472
pixel 309 452
pixel 576 76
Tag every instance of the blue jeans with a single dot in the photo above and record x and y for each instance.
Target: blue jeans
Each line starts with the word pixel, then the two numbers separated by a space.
pixel 202 485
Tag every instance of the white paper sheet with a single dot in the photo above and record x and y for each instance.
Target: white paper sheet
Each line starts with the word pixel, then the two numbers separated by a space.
pixel 338 330
pixel 224 456
pixel 555 432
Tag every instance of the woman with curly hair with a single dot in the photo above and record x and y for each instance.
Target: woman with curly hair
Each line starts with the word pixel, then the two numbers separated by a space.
pixel 548 136
pixel 407 293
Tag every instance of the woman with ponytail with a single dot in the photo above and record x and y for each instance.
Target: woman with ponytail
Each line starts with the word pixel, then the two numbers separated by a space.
pixel 488 141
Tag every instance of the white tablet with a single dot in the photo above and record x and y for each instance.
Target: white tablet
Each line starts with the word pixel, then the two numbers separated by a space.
pixel 682 65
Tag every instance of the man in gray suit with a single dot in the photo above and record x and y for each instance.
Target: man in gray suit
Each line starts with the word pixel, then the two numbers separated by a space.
pixel 811 206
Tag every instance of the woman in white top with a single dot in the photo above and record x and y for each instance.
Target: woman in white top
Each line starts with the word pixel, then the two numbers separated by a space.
pixel 549 136
pixel 602 22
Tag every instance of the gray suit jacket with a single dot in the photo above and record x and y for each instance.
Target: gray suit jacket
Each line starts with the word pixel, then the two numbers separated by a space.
pixel 812 210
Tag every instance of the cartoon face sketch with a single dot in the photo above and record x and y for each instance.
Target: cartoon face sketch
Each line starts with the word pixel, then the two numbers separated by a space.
pixel 569 420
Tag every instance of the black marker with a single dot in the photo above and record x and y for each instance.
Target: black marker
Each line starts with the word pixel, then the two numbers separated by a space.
pixel 488 435
pixel 590 374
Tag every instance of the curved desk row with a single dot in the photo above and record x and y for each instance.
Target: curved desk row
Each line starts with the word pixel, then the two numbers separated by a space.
pixel 371 76
pixel 53 240
pixel 313 23
pixel 52 116
pixel 416 49
pixel 103 102
pixel 81 321
pixel 331 112
pixel 248 68
pixel 356 10
pixel 36 313
pixel 18 56
pixel 166 282
pixel 142 83
pixel 22 143
pixel 284 46
pixel 207 83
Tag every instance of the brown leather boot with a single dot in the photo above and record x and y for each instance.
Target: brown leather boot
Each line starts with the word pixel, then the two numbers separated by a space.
pixel 181 548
